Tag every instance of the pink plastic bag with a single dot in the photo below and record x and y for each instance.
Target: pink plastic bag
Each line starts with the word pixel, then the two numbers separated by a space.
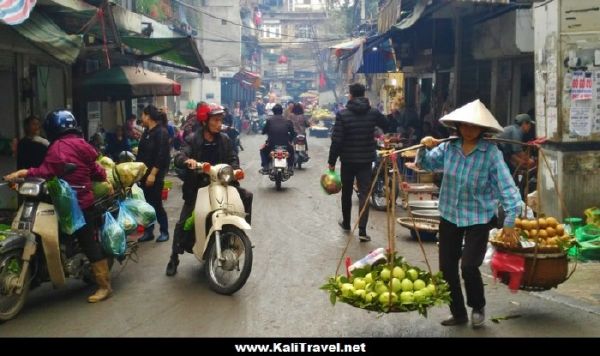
pixel 514 265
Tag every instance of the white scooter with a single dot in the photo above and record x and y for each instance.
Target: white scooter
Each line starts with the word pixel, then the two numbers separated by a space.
pixel 219 230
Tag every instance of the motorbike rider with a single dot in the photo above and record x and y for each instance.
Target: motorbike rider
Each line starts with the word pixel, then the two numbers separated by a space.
pixel 206 144
pixel 300 122
pixel 280 133
pixel 69 146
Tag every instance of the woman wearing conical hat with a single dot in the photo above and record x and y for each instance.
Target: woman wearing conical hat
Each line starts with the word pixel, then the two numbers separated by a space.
pixel 475 179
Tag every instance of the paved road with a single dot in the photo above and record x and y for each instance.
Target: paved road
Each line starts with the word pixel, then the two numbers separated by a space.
pixel 298 244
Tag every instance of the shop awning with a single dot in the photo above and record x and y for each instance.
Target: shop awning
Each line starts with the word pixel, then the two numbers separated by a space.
pixel 248 79
pixel 347 46
pixel 179 50
pixel 119 83
pixel 15 12
pixel 46 35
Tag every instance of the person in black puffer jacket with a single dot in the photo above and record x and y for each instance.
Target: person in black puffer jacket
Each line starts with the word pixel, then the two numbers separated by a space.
pixel 353 142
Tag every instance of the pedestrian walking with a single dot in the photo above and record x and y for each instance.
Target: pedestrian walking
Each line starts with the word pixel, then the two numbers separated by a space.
pixel 353 143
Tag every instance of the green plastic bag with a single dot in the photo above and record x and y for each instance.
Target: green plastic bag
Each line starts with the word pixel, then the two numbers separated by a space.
pixel 189 223
pixel 587 233
pixel 331 182
pixel 126 220
pixel 113 237
pixel 143 212
pixel 137 192
pixel 64 198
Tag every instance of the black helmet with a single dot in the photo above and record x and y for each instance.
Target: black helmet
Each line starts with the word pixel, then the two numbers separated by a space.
pixel 60 122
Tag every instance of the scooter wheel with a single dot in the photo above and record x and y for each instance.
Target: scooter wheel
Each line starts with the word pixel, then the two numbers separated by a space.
pixel 237 251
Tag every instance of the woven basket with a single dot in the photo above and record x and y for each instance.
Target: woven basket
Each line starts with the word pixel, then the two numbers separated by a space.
pixel 428 228
pixel 543 271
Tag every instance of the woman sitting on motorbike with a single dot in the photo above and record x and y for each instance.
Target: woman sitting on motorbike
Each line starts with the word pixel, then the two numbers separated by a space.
pixel 68 146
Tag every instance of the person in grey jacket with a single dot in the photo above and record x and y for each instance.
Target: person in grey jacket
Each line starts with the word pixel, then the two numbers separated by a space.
pixel 353 143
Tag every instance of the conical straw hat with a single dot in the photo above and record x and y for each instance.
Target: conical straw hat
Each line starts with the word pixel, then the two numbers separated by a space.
pixel 474 113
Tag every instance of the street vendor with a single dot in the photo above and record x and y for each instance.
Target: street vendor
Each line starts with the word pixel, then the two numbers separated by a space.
pixel 475 179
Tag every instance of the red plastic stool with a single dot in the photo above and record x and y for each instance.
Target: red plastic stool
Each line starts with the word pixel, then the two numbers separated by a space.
pixel 509 263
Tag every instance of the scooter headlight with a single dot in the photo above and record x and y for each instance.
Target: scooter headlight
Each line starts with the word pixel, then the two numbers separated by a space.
pixel 30 189
pixel 226 175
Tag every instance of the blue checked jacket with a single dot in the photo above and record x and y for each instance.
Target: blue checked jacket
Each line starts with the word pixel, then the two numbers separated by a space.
pixel 472 184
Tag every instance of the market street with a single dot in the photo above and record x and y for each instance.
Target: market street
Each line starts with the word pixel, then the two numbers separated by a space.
pixel 297 246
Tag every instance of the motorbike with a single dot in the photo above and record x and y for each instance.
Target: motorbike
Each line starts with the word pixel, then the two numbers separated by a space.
pixel 378 197
pixel 34 252
pixel 256 123
pixel 218 237
pixel 300 155
pixel 278 166
pixel 234 135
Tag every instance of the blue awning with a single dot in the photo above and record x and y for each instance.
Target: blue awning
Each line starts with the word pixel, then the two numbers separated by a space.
pixel 378 57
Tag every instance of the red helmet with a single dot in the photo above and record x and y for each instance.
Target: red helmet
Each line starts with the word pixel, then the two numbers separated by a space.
pixel 204 111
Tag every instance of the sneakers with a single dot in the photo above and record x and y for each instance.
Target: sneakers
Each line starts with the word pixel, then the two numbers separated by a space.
pixel 453 321
pixel 477 318
pixel 345 227
pixel 263 171
pixel 362 235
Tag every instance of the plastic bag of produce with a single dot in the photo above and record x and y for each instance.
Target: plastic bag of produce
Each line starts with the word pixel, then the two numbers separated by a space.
pixel 126 220
pixel 129 173
pixel 106 162
pixel 137 192
pixel 64 198
pixel 110 177
pixel 113 237
pixel 331 182
pixel 189 223
pixel 143 213
pixel 101 189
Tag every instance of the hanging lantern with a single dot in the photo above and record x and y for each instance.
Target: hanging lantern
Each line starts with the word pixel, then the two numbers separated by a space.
pixel 282 59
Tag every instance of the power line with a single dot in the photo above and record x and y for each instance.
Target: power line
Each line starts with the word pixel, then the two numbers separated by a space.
pixel 197 9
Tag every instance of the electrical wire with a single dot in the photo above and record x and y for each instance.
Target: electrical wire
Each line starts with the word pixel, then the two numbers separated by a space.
pixel 197 9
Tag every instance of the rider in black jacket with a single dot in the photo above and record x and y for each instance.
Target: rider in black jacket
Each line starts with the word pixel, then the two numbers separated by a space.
pixel 280 132
pixel 207 144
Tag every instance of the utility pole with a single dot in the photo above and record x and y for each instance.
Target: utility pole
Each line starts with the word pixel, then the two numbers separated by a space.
pixel 363 11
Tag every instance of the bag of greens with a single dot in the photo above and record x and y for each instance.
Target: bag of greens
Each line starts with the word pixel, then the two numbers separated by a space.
pixel 143 212
pixel 113 237
pixel 64 198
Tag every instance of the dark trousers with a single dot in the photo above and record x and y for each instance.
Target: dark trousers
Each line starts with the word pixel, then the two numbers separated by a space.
pixel 265 151
pixel 470 256
pixel 362 173
pixel 188 209
pixel 153 196
pixel 88 241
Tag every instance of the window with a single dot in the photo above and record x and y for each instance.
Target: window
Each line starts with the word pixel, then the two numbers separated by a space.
pixel 303 31
pixel 271 30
